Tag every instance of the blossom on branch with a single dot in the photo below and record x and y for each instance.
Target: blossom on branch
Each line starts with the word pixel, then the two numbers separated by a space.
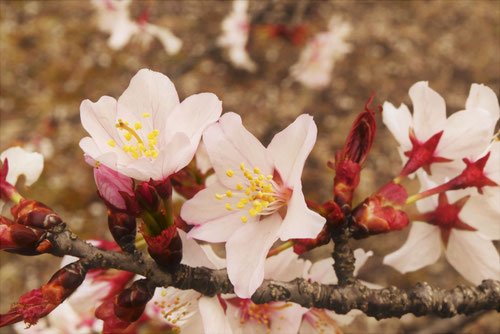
pixel 257 197
pixel 147 134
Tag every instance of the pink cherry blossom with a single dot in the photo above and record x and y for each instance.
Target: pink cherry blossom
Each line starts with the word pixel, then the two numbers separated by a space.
pixel 465 134
pixel 452 225
pixel 235 30
pixel 147 134
pixel 316 62
pixel 257 197
pixel 113 17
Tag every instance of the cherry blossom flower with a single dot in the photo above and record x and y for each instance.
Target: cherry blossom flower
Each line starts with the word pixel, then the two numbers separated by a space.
pixel 188 310
pixel 428 136
pixel 114 18
pixel 257 198
pixel 316 61
pixel 147 134
pixel 21 162
pixel 452 222
pixel 235 30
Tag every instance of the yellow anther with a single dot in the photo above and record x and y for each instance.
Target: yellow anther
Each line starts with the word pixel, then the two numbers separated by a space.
pixel 253 188
pixel 155 154
pixel 128 136
pixel 239 187
pixel 265 204
pixel 240 205
pixel 259 194
pixel 145 115
pixel 153 141
pixel 271 199
pixel 244 200
pixel 97 164
pixel 134 155
pixel 148 153
pixel 155 132
pixel 256 204
pixel 163 293
pixel 229 173
pixel 126 148
pixel 261 177
pixel 111 143
pixel 133 148
pixel 256 171
pixel 228 207
pixel 242 166
pixel 247 192
pixel 138 125
pixel 141 147
pixel 268 188
pixel 229 193
pixel 252 212
pixel 244 219
pixel 150 135
pixel 269 177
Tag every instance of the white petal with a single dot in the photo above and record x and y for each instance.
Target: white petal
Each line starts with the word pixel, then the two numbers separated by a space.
pixel 170 42
pixel 219 229
pixel 246 253
pixel 287 319
pixel 202 160
pixel 398 121
pixel 322 271
pixel 213 317
pixel 290 148
pixel 361 257
pixel 482 97
pixel 21 162
pixel 492 168
pixel 193 254
pixel 483 213
pixel 300 221
pixel 284 266
pixel 467 133
pixel 422 248
pixel 429 111
pixel 229 144
pixel 473 256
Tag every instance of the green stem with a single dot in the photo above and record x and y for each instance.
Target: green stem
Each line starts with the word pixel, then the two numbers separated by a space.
pixel 280 248
pixel 152 227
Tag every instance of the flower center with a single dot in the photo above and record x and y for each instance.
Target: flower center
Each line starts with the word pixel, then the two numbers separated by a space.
pixel 259 313
pixel 321 321
pixel 137 148
pixel 174 311
pixel 261 193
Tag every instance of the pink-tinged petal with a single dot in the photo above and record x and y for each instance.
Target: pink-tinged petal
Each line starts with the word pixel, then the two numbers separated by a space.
pixel 422 248
pixel 466 134
pixel 482 97
pixel 343 319
pixel 300 222
pixel 99 120
pixel 204 206
pixel 429 111
pixel 492 168
pixel 149 92
pixel 284 266
pixel 398 121
pixel 219 229
pixel 193 254
pixel 288 319
pixel 229 144
pixel 246 253
pixel 21 162
pixel 202 160
pixel 361 257
pixel 290 148
pixel 170 42
pixel 473 256
pixel 322 271
pixel 483 213
pixel 428 203
pixel 213 317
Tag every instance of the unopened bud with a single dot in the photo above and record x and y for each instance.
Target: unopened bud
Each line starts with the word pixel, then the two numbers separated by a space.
pixel 166 248
pixel 112 186
pixel 123 227
pixel 130 303
pixel 163 188
pixel 35 214
pixel 147 197
pixel 24 240
pixel 188 181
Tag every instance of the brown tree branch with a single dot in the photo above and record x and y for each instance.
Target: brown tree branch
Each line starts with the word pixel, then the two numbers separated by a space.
pixel 384 303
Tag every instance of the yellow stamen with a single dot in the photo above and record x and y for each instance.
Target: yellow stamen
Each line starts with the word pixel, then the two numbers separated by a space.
pixel 128 136
pixel 240 205
pixel 138 125
pixel 242 166
pixel 228 207
pixel 126 148
pixel 134 155
pixel 219 196
pixel 229 173
pixel 239 187
pixel 269 177
pixel 252 212
pixel 244 200
pixel 261 177
pixel 256 171
pixel 244 219
pixel 97 164
pixel 145 115
pixel 229 193
pixel 111 143
pixel 155 154
pixel 133 148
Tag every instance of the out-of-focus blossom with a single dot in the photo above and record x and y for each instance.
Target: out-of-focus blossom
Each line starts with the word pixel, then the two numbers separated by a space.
pixel 427 136
pixel 114 18
pixel 258 196
pixel 147 134
pixel 21 162
pixel 441 225
pixel 316 61
pixel 235 30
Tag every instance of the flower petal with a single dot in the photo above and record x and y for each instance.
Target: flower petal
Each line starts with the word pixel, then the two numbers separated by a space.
pixel 284 266
pixel 300 222
pixel 289 148
pixel 473 256
pixel 360 259
pixel 287 319
pixel 482 97
pixel 483 213
pixel 170 42
pixel 21 162
pixel 219 229
pixel 399 122
pixel 213 317
pixel 429 111
pixel 422 248
pixel 322 272
pixel 193 254
pixel 245 260
pixel 229 144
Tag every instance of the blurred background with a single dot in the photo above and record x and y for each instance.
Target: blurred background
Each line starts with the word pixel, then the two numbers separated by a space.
pixel 55 54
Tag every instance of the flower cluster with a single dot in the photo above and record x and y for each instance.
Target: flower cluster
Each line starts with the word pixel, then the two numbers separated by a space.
pixel 147 146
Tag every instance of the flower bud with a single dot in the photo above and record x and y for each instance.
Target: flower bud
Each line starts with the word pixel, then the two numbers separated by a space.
pixel 166 248
pixel 111 185
pixel 188 181
pixel 40 302
pixel 147 197
pixel 35 214
pixel 123 227
pixel 380 213
pixel 303 245
pixel 163 188
pixel 346 181
pixel 130 303
pixel 22 239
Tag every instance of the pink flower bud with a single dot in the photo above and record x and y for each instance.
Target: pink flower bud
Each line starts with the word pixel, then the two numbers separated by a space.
pixel 22 239
pixel 35 214
pixel 111 186
pixel 166 248
pixel 147 197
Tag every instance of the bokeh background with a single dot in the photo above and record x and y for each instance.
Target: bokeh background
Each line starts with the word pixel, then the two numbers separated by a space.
pixel 53 56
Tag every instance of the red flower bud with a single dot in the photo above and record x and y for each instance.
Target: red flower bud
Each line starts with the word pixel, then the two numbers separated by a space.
pixel 40 302
pixel 188 181
pixel 147 197
pixel 345 182
pixel 163 188
pixel 123 228
pixel 35 214
pixel 130 303
pixel 166 248
pixel 381 212
pixel 303 245
pixel 22 239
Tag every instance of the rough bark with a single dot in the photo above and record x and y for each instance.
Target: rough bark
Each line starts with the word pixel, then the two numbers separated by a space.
pixel 420 300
